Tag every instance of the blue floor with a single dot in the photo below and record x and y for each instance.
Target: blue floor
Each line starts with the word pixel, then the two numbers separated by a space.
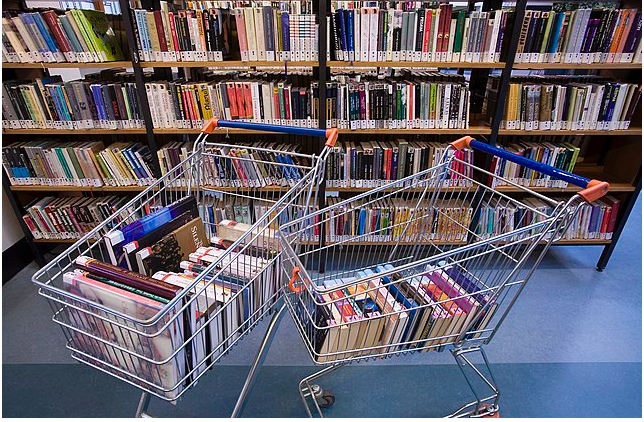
pixel 571 347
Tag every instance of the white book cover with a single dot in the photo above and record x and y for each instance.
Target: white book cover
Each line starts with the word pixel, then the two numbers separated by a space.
pixel 259 33
pixel 450 47
pixel 373 35
pixel 471 36
pixel 251 37
pixel 357 35
pixel 390 34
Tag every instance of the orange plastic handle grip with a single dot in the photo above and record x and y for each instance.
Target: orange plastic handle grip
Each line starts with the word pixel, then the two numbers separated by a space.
pixel 291 284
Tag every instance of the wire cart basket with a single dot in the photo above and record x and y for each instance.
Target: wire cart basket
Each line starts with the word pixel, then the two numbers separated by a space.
pixel 428 277
pixel 164 350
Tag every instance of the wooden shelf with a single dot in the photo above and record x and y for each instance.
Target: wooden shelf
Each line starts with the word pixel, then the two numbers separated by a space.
pixel 577 66
pixel 67 65
pixel 625 132
pixel 472 130
pixel 44 132
pixel 464 65
pixel 231 63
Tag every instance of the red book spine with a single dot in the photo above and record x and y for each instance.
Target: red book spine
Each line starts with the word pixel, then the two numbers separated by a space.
pixel 248 98
pixel 52 22
pixel 160 31
pixel 613 216
pixel 239 94
pixel 287 103
pixel 605 220
pixel 232 100
pixel 173 29
pixel 439 32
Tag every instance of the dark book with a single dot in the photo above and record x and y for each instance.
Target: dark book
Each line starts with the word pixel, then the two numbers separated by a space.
pixel 167 253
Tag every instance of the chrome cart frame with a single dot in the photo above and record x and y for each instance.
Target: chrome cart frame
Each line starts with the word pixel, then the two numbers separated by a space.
pixel 164 353
pixel 441 273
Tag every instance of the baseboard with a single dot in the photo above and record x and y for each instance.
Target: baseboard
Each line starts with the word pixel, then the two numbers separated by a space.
pixel 15 258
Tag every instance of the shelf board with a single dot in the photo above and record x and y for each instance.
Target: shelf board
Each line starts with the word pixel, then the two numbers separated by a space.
pixel 67 65
pixel 73 132
pixel 625 132
pixel 465 65
pixel 472 130
pixel 577 66
pixel 218 131
pixel 231 64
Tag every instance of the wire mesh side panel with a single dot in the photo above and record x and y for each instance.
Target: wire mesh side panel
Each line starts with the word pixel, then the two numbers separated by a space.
pixel 165 348
pixel 413 267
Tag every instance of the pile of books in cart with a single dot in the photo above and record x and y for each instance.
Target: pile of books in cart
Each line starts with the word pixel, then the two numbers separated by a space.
pixel 152 260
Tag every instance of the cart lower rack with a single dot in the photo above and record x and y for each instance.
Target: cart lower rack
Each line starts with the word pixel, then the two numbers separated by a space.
pixel 423 278
pixel 161 332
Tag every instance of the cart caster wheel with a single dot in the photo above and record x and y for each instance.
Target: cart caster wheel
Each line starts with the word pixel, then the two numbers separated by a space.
pixel 325 399
pixel 487 411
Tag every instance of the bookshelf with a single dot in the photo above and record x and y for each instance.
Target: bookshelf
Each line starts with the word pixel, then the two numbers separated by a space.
pixel 618 160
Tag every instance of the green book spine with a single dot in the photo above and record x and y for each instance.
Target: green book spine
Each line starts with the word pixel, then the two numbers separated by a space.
pixel 80 22
pixel 546 34
pixel 101 33
pixel 75 163
pixel 104 168
pixel 432 102
pixel 458 32
pixel 63 162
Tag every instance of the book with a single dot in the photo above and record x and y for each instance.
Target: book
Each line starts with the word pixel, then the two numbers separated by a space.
pixel 167 253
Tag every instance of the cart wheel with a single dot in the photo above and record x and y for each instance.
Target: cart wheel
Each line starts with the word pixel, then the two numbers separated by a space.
pixel 326 399
pixel 483 410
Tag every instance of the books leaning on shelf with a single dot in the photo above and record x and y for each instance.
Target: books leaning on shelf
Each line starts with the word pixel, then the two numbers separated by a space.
pixel 549 105
pixel 50 103
pixel 423 100
pixel 411 32
pixel 186 105
pixel 70 217
pixel 55 163
pixel 385 221
pixel 288 32
pixel 574 33
pixel 223 166
pixel 593 221
pixel 374 164
pixel 82 36
pixel 562 156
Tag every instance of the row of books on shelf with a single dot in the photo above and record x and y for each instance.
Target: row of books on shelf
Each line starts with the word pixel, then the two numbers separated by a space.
pixel 414 32
pixel 575 106
pixel 426 100
pixel 395 312
pixel 594 220
pixel 153 259
pixel 54 163
pixel 76 35
pixel 349 165
pixel 50 103
pixel 576 33
pixel 562 156
pixel 443 220
pixel 374 164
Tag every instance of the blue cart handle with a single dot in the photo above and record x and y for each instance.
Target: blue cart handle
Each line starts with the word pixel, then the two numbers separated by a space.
pixel 331 135
pixel 593 189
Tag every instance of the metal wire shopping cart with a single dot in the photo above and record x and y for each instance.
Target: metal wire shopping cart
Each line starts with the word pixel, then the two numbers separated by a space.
pixel 426 276
pixel 165 350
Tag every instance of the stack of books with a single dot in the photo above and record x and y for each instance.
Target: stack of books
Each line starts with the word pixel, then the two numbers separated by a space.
pixel 386 220
pixel 70 217
pixel 277 31
pixel 594 220
pixel 427 100
pixel 413 32
pixel 199 33
pixel 566 103
pixel 191 104
pixel 562 156
pixel 576 33
pixel 50 103
pixel 418 312
pixel 374 164
pixel 82 36
pixel 152 260
pixel 55 163
pixel 240 167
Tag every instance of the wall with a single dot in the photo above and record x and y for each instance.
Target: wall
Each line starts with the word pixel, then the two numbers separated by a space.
pixel 11 231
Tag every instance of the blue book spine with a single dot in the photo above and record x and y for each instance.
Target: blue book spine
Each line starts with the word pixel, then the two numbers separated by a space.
pixel 363 215
pixel 132 162
pixel 613 100
pixel 42 27
pixel 403 300
pixel 286 39
pixel 343 32
pixel 350 35
pixel 54 98
pixel 71 35
pixel 59 91
pixel 98 100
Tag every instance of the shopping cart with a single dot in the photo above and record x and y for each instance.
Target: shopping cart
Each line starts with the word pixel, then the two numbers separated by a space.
pixel 166 351
pixel 428 277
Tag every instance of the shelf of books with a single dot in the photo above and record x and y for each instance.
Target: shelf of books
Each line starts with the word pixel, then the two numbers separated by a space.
pixel 590 66
pixel 233 64
pixel 421 64
pixel 66 65
pixel 621 132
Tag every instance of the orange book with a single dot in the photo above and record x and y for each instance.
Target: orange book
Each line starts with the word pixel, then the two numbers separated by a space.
pixel 239 93
pixel 232 99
